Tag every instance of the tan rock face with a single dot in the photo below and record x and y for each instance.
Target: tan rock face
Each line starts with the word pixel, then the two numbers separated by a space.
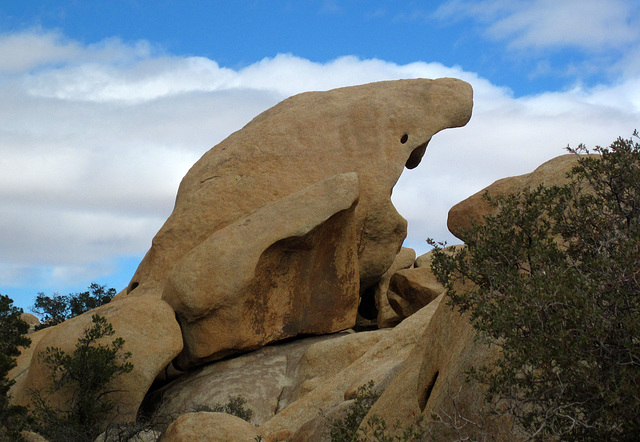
pixel 371 132
pixel 432 382
pixel 267 378
pixel 475 208
pixel 387 317
pixel 30 319
pixel 271 283
pixel 209 427
pixel 151 334
pixel 417 286
pixel 331 372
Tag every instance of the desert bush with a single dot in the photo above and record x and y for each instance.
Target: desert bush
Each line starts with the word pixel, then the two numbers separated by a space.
pixel 553 279
pixel 235 405
pixel 346 429
pixel 58 308
pixel 89 372
pixel 12 336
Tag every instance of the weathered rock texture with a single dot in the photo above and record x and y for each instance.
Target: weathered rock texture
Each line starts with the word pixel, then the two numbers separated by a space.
pixel 151 334
pixel 475 208
pixel 332 371
pixel 256 214
pixel 387 317
pixel 411 289
pixel 288 268
pixel 432 382
pixel 267 378
pixel 209 427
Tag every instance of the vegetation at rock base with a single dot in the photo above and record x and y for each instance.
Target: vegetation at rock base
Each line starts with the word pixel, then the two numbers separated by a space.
pixel 88 373
pixel 57 308
pixel 12 336
pixel 553 279
pixel 235 406
pixel 346 429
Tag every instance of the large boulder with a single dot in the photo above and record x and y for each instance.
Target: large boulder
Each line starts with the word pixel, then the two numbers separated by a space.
pixel 288 268
pixel 430 390
pixel 332 371
pixel 372 131
pixel 476 207
pixel 151 335
pixel 276 367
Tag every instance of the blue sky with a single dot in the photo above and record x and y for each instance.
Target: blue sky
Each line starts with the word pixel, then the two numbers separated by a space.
pixel 106 104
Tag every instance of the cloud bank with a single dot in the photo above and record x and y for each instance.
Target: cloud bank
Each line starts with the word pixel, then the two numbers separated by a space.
pixel 95 139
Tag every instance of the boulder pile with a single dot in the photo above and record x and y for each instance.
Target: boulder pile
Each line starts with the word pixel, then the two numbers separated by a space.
pixel 280 277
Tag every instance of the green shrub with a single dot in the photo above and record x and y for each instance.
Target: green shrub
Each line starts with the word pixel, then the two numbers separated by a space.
pixel 346 429
pixel 553 278
pixel 88 371
pixel 55 309
pixel 12 336
pixel 234 406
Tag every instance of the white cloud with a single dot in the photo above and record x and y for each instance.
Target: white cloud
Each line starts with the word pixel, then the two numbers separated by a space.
pixel 586 24
pixel 95 140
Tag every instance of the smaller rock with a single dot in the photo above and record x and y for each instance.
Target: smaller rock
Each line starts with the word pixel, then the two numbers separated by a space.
pixel 387 317
pixel 30 319
pixel 210 427
pixel 276 366
pixel 150 331
pixel 418 287
pixel 475 208
pixel 30 436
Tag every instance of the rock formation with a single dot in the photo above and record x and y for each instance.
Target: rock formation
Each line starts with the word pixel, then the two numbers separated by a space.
pixel 287 165
pixel 286 228
pixel 386 316
pixel 475 208
pixel 151 334
pixel 209 427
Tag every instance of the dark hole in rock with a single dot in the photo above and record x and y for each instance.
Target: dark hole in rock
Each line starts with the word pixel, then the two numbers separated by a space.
pixel 132 287
pixel 367 308
pixel 404 138
pixel 424 397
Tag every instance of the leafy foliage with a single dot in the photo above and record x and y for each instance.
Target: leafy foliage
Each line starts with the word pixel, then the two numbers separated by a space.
pixel 346 429
pixel 12 336
pixel 235 406
pixel 553 278
pixel 58 308
pixel 88 371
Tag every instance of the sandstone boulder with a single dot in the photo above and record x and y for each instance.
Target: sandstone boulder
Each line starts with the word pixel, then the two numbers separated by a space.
pixel 412 288
pixel 387 317
pixel 373 131
pixel 266 378
pixel 475 208
pixel 417 286
pixel 209 427
pixel 151 334
pixel 30 319
pixel 332 371
pixel 431 382
pixel 288 268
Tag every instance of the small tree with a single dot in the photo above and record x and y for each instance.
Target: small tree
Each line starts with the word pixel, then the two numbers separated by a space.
pixel 58 308
pixel 88 371
pixel 553 278
pixel 12 336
